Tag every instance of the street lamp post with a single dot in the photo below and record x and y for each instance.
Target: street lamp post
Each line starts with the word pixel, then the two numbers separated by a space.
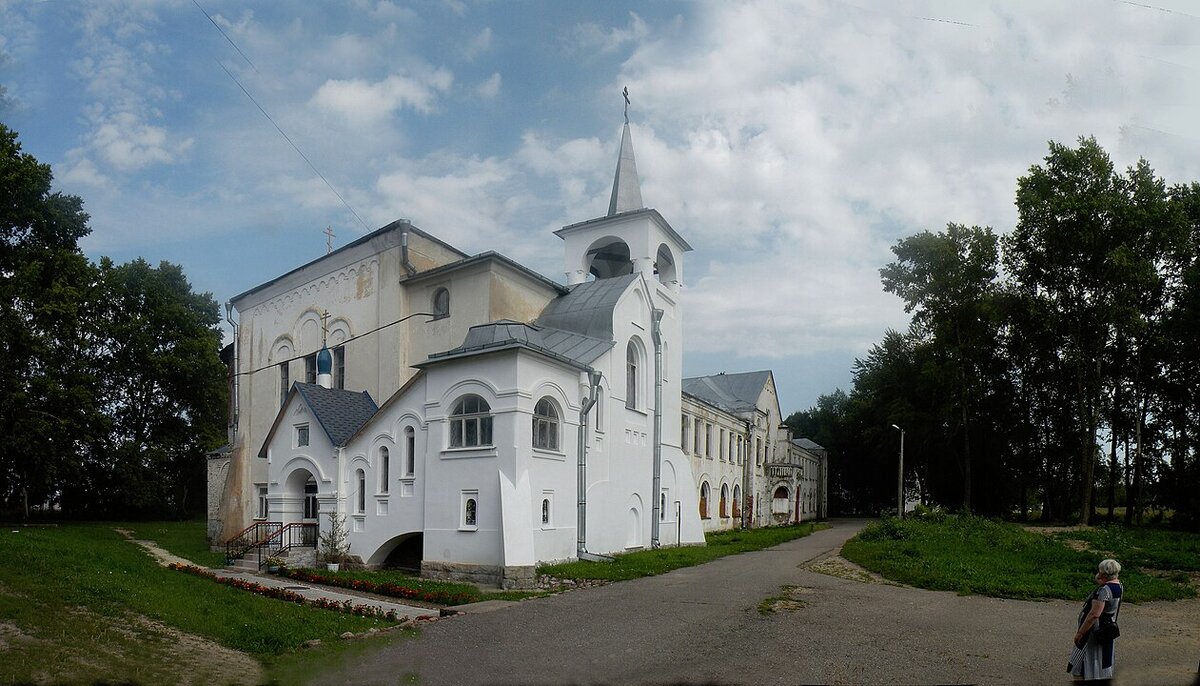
pixel 900 477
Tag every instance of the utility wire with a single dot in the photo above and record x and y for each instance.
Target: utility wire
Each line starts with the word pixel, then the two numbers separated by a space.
pixel 218 27
pixel 352 338
pixel 295 147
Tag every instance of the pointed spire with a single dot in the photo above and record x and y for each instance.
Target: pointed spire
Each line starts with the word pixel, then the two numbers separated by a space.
pixel 626 192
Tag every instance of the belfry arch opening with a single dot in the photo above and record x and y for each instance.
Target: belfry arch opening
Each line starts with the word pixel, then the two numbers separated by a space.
pixel 608 257
pixel 664 265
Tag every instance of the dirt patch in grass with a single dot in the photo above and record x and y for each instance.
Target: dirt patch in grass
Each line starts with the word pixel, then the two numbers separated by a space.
pixel 131 647
pixel 842 568
pixel 199 660
pixel 10 634
pixel 788 601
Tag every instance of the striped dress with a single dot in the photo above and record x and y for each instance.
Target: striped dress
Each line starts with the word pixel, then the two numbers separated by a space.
pixel 1095 659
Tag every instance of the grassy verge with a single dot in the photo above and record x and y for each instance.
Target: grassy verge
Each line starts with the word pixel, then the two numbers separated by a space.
pixel 80 603
pixel 652 562
pixel 971 555
pixel 1158 549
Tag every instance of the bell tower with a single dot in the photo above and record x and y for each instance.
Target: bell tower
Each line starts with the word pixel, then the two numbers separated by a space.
pixel 630 238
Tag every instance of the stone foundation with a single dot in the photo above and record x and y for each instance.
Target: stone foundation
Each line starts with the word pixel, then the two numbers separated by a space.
pixel 508 578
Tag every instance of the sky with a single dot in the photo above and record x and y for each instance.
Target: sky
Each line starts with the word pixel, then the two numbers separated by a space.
pixel 791 143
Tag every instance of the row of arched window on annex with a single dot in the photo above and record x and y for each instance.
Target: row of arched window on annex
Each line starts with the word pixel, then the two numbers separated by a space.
pixel 724 509
pixel 471 423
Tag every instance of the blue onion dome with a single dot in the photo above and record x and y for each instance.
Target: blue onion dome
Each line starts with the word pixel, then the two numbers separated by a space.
pixel 324 362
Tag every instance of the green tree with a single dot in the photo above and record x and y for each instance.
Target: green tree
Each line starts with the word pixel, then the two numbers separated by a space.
pixel 162 388
pixel 948 281
pixel 112 389
pixel 47 413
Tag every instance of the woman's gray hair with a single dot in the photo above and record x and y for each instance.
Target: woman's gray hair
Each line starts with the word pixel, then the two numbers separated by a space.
pixel 1110 568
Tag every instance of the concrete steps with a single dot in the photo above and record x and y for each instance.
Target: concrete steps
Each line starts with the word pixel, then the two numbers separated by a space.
pixel 296 557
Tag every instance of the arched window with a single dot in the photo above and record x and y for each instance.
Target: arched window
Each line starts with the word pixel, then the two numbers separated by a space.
pixel 545 512
pixel 545 425
pixel 441 303
pixel 631 375
pixel 724 500
pixel 662 506
pixel 469 514
pixel 704 500
pixel 384 469
pixel 470 423
pixel 360 503
pixel 737 501
pixel 410 451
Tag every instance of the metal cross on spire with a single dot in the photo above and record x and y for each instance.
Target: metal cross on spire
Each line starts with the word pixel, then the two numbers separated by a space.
pixel 625 92
pixel 328 239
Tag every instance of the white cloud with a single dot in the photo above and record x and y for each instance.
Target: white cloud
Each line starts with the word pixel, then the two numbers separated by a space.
pixel 481 43
pixel 363 102
pixel 490 88
pixel 592 36
pixel 82 172
pixel 129 144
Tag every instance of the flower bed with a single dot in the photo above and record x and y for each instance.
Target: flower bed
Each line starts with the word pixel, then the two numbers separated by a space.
pixel 289 596
pixel 389 589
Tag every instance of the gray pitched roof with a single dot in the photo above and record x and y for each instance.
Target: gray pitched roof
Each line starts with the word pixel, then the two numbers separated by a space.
pixel 482 257
pixel 398 225
pixel 565 346
pixel 588 308
pixel 729 392
pixel 339 412
pixel 807 444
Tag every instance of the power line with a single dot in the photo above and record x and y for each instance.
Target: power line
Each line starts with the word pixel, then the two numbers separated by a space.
pixel 352 338
pixel 294 146
pixel 218 27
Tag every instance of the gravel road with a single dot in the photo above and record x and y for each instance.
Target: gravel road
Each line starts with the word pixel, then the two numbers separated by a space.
pixel 703 625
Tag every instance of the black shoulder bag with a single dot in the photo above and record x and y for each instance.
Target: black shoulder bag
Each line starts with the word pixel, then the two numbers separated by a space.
pixel 1107 631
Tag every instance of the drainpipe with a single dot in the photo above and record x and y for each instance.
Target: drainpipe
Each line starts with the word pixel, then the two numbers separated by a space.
pixel 233 409
pixel 746 467
pixel 408 266
pixel 581 552
pixel 655 495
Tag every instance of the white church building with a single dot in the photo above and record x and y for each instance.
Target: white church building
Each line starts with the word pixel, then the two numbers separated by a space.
pixel 473 418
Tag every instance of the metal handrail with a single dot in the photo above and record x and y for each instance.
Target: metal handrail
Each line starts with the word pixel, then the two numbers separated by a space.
pixel 249 538
pixel 288 536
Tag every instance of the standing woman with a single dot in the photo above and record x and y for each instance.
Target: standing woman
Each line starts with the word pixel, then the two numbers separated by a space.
pixel 1093 654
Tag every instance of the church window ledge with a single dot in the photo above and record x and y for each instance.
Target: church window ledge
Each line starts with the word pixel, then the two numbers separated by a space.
pixel 549 454
pixel 463 453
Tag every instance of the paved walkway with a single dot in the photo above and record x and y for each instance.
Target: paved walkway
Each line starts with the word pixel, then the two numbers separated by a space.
pixel 310 591
pixel 703 625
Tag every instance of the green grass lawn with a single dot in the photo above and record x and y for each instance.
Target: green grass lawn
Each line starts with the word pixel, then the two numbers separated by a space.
pixel 972 555
pixel 185 539
pixel 79 603
pixel 652 562
pixel 1152 548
